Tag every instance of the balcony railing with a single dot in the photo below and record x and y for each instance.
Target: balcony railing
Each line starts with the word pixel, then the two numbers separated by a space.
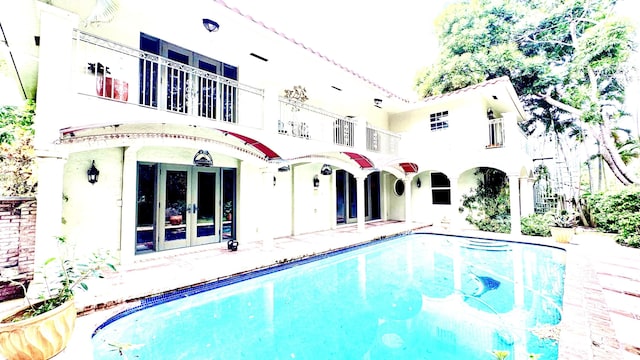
pixel 121 74
pixel 117 72
pixel 382 141
pixel 496 133
pixel 310 122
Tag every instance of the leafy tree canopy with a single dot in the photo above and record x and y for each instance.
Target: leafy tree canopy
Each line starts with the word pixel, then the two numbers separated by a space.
pixel 567 59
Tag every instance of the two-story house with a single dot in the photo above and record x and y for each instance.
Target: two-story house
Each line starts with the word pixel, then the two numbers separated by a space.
pixel 162 126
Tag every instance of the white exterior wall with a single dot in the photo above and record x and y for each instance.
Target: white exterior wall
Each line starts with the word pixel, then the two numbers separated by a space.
pixel 100 215
pixel 92 212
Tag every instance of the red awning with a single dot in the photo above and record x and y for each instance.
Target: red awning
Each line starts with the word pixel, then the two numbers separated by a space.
pixel 270 154
pixel 361 160
pixel 409 167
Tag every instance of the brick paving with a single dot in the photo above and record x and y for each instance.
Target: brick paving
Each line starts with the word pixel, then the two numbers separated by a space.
pixel 601 305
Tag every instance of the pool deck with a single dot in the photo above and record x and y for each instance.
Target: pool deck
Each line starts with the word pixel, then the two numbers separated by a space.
pixel 601 310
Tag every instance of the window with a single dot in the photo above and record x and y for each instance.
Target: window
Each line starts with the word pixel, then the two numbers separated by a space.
pixel 439 120
pixel 496 133
pixel 440 189
pixel 398 187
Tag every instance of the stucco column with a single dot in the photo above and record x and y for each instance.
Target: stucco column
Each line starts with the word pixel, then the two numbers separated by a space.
pixel 271 107
pixel 514 202
pixel 360 202
pixel 128 205
pixel 453 215
pixel 49 210
pixel 54 73
pixel 408 213
pixel 360 134
pixel 268 216
pixel 526 196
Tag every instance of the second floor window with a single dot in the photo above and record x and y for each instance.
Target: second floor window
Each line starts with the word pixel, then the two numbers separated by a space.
pixel 439 120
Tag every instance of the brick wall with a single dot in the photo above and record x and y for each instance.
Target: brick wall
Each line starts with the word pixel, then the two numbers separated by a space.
pixel 17 243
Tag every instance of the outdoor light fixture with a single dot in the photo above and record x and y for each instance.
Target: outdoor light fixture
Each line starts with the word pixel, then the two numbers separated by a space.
pixel 418 183
pixel 93 173
pixel 326 169
pixel 490 114
pixel 316 182
pixel 210 25
pixel 232 245
pixel 274 181
pixel 284 168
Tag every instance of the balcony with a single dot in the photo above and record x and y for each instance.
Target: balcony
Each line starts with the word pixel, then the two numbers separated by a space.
pixel 497 136
pixel 117 75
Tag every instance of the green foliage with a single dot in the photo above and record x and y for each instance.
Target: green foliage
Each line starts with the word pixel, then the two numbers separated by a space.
pixel 62 276
pixel 562 218
pixel 500 354
pixel 617 212
pixel 565 60
pixel 488 203
pixel 17 154
pixel 535 225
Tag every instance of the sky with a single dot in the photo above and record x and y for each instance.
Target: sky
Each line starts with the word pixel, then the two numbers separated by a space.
pixel 385 41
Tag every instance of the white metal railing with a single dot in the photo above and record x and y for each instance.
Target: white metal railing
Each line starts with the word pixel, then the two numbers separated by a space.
pixel 382 141
pixel 117 72
pixel 309 122
pixel 496 133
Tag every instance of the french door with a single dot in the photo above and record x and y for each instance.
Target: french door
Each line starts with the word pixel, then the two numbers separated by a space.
pixel 188 206
pixel 346 197
pixel 181 206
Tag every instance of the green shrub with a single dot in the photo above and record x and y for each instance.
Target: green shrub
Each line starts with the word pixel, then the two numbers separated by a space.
pixel 618 213
pixel 535 225
pixel 488 202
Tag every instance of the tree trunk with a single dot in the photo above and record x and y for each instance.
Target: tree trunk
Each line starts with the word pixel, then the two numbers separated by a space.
pixel 610 155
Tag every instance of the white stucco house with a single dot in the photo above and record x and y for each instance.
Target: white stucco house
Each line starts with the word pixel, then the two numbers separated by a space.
pixel 183 111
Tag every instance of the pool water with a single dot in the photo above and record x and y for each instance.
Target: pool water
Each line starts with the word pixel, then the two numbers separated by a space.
pixel 419 296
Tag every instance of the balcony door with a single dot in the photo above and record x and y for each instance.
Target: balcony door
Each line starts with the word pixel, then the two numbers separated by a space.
pixel 187 82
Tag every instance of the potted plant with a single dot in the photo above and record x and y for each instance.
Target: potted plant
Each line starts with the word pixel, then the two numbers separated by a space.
pixel 42 329
pixel 227 211
pixel 562 224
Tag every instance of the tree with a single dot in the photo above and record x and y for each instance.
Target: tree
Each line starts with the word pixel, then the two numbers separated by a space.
pixel 17 155
pixel 568 61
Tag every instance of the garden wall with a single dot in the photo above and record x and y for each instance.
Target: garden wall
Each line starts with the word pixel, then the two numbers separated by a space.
pixel 17 243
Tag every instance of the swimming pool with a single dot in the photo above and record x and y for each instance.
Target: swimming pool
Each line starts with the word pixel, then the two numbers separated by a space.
pixel 419 296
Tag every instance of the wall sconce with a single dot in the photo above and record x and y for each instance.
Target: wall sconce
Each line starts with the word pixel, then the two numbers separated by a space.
pixel 316 181
pixel 92 173
pixel 326 169
pixel 210 25
pixel 418 183
pixel 274 181
pixel 490 114
pixel 284 168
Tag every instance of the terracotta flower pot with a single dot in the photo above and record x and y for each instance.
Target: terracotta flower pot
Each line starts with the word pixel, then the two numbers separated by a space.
pixel 175 219
pixel 40 337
